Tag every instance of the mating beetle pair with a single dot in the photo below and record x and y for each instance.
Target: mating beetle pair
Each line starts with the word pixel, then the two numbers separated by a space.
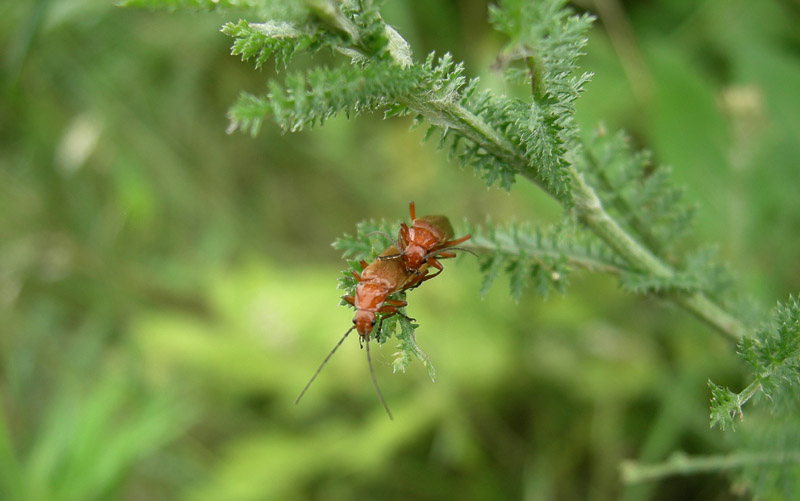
pixel 400 267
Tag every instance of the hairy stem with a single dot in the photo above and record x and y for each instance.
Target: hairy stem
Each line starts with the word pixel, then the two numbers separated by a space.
pixel 681 464
pixel 449 114
pixel 591 212
pixel 620 204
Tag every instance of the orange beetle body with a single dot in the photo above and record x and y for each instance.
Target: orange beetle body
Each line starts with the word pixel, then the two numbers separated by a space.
pixel 426 241
pixel 386 275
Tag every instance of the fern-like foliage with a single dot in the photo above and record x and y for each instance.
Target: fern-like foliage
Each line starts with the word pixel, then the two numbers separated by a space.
pixel 626 202
pixel 774 355
pixel 774 438
pixel 726 406
pixel 265 8
pixel 539 131
pixel 259 41
pixel 371 239
pixel 700 272
pixel 309 99
pixel 408 347
pixel 444 82
pixel 537 257
pixel 650 206
pixel 543 257
pixel 500 137
pixel 531 139
pixel 640 194
pixel 549 40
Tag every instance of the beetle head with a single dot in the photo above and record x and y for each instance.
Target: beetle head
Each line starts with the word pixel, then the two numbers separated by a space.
pixel 364 321
pixel 414 256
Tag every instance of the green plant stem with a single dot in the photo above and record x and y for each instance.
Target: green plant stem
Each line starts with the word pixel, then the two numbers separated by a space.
pixel 620 204
pixel 681 464
pixel 748 392
pixel 590 211
pixel 448 114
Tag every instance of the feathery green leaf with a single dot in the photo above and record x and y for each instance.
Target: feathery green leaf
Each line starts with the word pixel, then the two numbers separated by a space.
pixel 640 194
pixel 773 352
pixel 280 39
pixel 309 99
pixel 543 257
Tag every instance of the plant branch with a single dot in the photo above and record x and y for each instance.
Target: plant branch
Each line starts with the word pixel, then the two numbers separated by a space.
pixel 680 464
pixel 590 211
pixel 587 205
pixel 443 107
pixel 449 114
pixel 619 203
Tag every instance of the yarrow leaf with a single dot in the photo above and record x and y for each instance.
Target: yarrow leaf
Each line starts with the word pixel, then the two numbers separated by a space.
pixel 541 257
pixel 773 352
pixel 639 193
pixel 307 100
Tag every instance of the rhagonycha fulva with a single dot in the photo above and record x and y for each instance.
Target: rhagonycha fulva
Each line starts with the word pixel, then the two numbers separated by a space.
pixel 429 238
pixel 386 275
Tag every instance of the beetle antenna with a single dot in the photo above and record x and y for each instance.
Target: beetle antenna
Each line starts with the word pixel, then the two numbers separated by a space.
pixel 323 364
pixel 382 233
pixel 446 249
pixel 391 239
pixel 375 383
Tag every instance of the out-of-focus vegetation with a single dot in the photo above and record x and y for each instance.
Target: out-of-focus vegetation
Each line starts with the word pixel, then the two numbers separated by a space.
pixel 167 289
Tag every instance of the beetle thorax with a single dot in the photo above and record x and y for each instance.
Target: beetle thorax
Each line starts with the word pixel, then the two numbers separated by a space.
pixel 370 295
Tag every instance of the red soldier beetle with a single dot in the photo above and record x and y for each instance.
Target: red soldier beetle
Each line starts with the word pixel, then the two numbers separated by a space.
pixel 378 280
pixel 428 239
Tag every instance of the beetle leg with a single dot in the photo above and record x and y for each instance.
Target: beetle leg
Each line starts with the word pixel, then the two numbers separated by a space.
pixel 427 277
pixel 407 317
pixel 398 312
pixel 389 310
pixel 412 211
pixel 418 279
pixel 350 300
pixel 436 264
pixel 355 275
pixel 424 277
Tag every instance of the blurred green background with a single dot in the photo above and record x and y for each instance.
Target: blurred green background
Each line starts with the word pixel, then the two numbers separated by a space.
pixel 167 289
